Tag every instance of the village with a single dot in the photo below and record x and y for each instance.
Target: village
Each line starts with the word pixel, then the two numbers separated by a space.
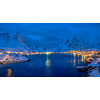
pixel 91 61
pixel 14 50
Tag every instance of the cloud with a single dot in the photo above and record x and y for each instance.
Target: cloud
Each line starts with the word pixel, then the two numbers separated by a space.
pixel 34 37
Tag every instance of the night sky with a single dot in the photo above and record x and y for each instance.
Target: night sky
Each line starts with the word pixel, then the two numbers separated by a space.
pixel 50 34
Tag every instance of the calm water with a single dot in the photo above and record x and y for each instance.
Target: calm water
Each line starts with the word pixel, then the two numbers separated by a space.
pixel 53 65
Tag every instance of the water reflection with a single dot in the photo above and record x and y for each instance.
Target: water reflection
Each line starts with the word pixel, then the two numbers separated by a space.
pixel 9 72
pixel 48 64
pixel 78 59
pixel 83 57
pixel 44 65
pixel 74 61
pixel 74 55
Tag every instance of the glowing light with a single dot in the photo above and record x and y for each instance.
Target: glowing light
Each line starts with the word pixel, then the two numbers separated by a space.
pixel 74 61
pixel 47 53
pixel 74 54
pixel 9 72
pixel 48 62
pixel 8 52
pixel 27 54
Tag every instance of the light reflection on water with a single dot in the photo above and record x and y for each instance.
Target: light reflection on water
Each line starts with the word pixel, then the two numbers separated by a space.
pixel 83 58
pixel 9 72
pixel 44 65
pixel 48 64
pixel 78 59
pixel 74 61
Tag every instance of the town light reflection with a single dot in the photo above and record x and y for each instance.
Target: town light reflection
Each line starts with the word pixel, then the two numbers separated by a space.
pixel 74 61
pixel 48 62
pixel 83 57
pixel 9 72
pixel 78 59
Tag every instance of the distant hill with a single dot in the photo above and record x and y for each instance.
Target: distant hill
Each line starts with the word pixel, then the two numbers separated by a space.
pixel 73 43
pixel 39 48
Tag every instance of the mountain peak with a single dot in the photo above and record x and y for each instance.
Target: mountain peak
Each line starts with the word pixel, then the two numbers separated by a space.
pixel 2 31
pixel 18 37
pixel 73 38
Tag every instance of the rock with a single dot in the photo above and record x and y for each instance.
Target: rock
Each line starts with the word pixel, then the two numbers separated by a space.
pixel 29 60
pixel 82 68
pixel 0 62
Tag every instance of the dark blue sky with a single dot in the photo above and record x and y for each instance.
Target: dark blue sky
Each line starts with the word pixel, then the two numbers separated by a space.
pixel 50 34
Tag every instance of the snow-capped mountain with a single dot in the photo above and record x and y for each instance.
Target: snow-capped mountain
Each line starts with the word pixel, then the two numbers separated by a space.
pixel 11 42
pixel 70 44
pixel 73 43
pixel 14 42
pixel 39 48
